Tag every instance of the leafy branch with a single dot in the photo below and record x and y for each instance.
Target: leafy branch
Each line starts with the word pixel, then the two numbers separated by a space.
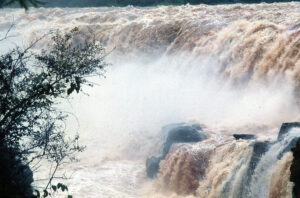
pixel 32 84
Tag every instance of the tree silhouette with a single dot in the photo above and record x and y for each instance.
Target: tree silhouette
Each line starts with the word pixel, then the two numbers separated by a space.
pixel 32 128
pixel 23 3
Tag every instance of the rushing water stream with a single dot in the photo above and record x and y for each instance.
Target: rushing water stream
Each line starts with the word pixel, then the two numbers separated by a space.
pixel 230 68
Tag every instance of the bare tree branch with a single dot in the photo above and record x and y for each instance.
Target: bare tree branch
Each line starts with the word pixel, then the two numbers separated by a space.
pixel 7 32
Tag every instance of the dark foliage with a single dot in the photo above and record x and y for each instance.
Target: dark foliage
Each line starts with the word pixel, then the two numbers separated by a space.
pixel 22 3
pixel 31 86
pixel 15 176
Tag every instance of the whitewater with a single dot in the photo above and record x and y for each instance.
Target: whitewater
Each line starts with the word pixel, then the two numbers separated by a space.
pixel 230 68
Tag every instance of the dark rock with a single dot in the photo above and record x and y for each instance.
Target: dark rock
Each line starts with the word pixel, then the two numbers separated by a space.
pixel 197 126
pixel 289 147
pixel 285 127
pixel 166 129
pixel 295 170
pixel 152 166
pixel 293 144
pixel 174 133
pixel 244 136
pixel 259 148
pixel 181 134
pixel 284 130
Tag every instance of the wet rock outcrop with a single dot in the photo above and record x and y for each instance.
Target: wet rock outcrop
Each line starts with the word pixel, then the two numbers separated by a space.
pixel 285 128
pixel 152 166
pixel 294 146
pixel 259 148
pixel 181 134
pixel 244 136
pixel 174 133
pixel 259 169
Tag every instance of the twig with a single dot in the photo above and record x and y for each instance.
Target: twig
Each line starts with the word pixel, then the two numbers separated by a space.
pixel 7 32
pixel 52 176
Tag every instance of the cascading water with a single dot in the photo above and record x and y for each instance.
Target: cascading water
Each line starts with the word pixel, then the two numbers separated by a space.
pixel 230 68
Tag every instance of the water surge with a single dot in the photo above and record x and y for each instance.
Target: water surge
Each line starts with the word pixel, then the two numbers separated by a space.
pixel 228 68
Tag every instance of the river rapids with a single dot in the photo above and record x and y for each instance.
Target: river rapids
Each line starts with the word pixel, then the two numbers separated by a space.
pixel 229 68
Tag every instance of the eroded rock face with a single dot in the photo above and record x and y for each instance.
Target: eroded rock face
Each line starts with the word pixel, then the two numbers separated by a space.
pixel 295 170
pixel 175 133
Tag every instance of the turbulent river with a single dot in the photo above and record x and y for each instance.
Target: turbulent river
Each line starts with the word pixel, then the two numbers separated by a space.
pixel 230 68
